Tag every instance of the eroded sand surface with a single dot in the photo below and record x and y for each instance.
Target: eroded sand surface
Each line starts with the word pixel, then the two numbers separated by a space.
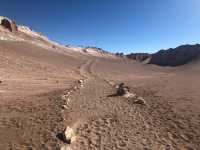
pixel 36 119
pixel 104 122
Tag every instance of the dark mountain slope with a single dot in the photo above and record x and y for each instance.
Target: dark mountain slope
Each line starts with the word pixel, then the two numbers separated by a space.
pixel 176 57
pixel 171 57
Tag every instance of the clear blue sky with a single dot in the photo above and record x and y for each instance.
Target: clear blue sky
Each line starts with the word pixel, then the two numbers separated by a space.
pixel 115 25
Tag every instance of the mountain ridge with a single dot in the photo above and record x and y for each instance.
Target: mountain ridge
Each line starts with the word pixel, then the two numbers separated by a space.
pixel 171 57
pixel 11 31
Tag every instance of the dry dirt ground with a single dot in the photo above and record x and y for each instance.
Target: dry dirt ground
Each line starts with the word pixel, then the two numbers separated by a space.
pixel 34 119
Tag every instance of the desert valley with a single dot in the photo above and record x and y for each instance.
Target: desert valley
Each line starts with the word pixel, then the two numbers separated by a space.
pixel 57 97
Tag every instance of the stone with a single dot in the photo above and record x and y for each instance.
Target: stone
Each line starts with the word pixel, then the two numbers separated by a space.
pixel 140 100
pixel 64 97
pixel 64 107
pixel 69 135
pixel 129 95
pixel 80 81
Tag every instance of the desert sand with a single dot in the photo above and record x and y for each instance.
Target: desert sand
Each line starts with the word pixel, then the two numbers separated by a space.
pixel 41 96
pixel 62 98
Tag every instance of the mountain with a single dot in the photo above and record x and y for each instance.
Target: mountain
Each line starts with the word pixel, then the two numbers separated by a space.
pixel 171 57
pixel 175 57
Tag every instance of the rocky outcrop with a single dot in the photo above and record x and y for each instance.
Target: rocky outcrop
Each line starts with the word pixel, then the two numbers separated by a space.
pixel 14 26
pixel 119 54
pixel 176 57
pixel 11 31
pixel 8 24
pixel 124 91
pixel 138 56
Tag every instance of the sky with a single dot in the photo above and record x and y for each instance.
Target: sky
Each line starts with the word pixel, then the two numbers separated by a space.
pixel 114 25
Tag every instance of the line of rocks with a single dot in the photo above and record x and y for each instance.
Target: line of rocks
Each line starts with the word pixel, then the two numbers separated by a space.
pixel 65 97
pixel 67 136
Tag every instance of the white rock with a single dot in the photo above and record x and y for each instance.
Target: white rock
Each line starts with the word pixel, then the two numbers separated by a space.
pixel 75 88
pixel 129 95
pixel 68 100
pixel 117 86
pixel 63 97
pixel 69 134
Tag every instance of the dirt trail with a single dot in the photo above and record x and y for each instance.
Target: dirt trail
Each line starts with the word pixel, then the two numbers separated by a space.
pixel 109 123
pixel 100 122
pixel 85 69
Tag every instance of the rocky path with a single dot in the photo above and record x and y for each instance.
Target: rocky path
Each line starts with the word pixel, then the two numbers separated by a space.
pixel 101 122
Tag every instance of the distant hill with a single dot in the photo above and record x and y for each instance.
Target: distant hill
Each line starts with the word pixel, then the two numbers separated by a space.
pixel 11 31
pixel 170 57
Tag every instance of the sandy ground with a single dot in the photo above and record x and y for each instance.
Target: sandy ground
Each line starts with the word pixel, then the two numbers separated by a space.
pixel 103 122
pixel 34 112
pixel 27 70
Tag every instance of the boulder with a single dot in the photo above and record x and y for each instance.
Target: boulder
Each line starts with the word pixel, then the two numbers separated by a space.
pixel 129 95
pixel 122 89
pixel 69 135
